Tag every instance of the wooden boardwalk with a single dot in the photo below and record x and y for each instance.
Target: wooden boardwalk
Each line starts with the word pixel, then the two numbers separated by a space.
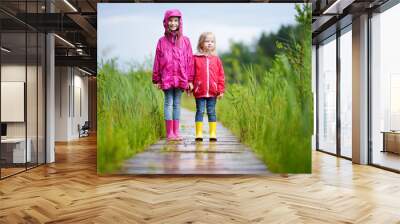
pixel 226 156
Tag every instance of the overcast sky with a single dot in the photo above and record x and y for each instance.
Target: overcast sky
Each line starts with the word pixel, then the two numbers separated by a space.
pixel 129 31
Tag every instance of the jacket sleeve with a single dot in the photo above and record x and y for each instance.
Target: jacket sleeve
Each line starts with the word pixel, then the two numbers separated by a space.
pixel 221 77
pixel 190 62
pixel 156 65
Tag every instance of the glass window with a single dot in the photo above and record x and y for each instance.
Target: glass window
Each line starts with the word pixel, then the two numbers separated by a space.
pixel 385 89
pixel 22 91
pixel 314 90
pixel 41 97
pixel 31 96
pixel 346 93
pixel 14 151
pixel 327 96
pixel 31 85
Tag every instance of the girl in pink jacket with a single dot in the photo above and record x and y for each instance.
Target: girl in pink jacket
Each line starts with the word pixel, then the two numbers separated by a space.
pixel 173 69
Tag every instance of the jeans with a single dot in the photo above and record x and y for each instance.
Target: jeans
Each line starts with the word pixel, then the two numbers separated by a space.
pixel 172 102
pixel 210 104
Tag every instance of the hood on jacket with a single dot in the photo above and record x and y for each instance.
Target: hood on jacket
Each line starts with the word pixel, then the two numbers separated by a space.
pixel 167 15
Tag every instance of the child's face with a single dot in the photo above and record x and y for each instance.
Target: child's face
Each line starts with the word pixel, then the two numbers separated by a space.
pixel 173 23
pixel 209 43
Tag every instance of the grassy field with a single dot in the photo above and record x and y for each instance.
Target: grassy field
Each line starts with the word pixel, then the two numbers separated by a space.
pixel 269 117
pixel 130 115
pixel 274 115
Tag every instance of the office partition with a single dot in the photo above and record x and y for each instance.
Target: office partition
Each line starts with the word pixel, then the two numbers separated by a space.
pixel 22 78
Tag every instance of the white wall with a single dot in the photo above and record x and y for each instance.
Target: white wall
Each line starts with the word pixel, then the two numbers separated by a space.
pixel 79 117
pixel 62 82
pixel 70 83
pixel 14 72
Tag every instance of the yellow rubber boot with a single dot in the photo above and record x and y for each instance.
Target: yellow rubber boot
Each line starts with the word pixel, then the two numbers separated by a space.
pixel 213 131
pixel 199 131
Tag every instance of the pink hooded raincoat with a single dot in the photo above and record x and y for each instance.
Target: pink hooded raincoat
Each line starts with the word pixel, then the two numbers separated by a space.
pixel 173 63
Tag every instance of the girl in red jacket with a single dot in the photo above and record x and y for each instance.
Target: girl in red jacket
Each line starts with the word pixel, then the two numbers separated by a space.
pixel 208 84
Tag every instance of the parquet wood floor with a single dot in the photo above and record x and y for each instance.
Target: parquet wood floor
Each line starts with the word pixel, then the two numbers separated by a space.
pixel 70 191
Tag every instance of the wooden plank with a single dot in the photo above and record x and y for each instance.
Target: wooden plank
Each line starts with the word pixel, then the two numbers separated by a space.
pixel 226 156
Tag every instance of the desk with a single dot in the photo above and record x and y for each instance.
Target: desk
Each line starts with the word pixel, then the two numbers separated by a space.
pixel 13 150
pixel 391 141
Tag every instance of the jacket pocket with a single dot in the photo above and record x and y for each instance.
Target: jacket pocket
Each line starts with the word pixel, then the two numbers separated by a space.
pixel 162 60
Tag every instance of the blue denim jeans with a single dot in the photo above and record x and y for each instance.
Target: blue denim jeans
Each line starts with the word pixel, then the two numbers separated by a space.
pixel 172 103
pixel 209 102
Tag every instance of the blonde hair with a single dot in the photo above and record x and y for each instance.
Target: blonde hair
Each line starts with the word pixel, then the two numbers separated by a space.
pixel 202 39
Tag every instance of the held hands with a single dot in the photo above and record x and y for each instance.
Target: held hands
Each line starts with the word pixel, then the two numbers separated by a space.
pixel 190 86
pixel 190 90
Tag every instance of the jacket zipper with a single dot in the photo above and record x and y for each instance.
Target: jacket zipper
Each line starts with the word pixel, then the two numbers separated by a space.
pixel 208 77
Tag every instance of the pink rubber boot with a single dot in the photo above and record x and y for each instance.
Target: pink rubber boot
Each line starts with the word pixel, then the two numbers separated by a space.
pixel 176 130
pixel 169 126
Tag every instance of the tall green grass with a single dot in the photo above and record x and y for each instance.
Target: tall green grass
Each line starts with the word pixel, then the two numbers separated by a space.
pixel 188 102
pixel 130 115
pixel 274 114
